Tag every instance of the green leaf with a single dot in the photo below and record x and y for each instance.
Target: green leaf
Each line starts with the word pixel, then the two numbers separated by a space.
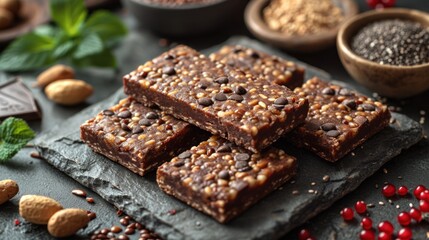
pixel 102 59
pixel 69 15
pixel 106 25
pixel 27 52
pixel 91 44
pixel 14 135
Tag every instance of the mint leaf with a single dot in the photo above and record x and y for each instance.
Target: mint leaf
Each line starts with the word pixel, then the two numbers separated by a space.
pixel 28 52
pixel 69 15
pixel 102 59
pixel 14 135
pixel 106 25
pixel 91 44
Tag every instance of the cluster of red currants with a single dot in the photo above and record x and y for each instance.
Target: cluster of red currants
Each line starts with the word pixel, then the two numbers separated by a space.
pixel 385 228
pixel 377 4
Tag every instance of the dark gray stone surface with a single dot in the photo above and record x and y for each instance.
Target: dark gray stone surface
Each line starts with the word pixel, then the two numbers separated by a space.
pixel 275 215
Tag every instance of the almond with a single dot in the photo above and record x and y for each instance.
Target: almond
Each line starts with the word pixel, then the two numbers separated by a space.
pixel 67 222
pixel 54 73
pixel 38 209
pixel 68 92
pixel 8 189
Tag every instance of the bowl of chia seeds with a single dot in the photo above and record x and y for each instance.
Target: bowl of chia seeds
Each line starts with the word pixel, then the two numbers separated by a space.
pixel 387 51
pixel 183 17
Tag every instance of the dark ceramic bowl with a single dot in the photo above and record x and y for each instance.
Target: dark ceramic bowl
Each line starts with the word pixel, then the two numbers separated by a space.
pixel 184 20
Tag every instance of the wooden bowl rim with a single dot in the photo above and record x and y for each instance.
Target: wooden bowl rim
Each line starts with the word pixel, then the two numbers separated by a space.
pixel 350 27
pixel 33 13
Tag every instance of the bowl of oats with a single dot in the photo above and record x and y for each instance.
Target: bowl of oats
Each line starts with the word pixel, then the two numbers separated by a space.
pixel 298 25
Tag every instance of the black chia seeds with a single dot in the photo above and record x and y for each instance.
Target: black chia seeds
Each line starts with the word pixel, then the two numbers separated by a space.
pixel 393 42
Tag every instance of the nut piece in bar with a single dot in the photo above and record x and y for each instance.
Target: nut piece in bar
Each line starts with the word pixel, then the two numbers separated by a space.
pixel 138 137
pixel 272 68
pixel 223 180
pixel 338 121
pixel 250 112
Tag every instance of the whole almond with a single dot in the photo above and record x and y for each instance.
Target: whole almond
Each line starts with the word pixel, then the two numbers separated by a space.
pixel 54 73
pixel 38 209
pixel 69 91
pixel 67 222
pixel 8 189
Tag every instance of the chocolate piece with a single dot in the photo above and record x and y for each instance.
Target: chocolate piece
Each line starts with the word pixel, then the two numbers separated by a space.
pixel 338 121
pixel 220 186
pixel 250 120
pixel 16 100
pixel 260 64
pixel 123 136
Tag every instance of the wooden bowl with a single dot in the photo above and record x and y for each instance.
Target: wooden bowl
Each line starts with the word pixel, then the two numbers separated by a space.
pixel 387 80
pixel 304 43
pixel 32 14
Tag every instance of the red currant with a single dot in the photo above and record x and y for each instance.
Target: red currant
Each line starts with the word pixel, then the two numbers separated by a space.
pixel 424 195
pixel 424 206
pixel 360 207
pixel 418 190
pixel 405 234
pixel 304 234
pixel 404 218
pixel 347 214
pixel 402 191
pixel 372 3
pixel 366 223
pixel 367 235
pixel 389 190
pixel 388 3
pixel 386 227
pixel 416 214
pixel 384 236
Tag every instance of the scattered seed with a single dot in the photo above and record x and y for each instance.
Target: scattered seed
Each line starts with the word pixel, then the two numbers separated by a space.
pixel 310 191
pixel 326 178
pixel 313 184
pixel 36 155
pixel 295 192
pixel 172 212
pixel 381 203
pixel 385 170
pixel 370 205
pixel 79 193
pixel 90 200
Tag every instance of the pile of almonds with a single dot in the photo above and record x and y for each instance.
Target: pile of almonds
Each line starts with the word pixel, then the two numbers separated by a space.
pixel 61 86
pixel 9 12
pixel 44 210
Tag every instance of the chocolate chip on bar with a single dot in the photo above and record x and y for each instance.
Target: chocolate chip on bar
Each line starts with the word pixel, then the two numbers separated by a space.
pixel 138 137
pixel 223 180
pixel 338 121
pixel 274 69
pixel 246 113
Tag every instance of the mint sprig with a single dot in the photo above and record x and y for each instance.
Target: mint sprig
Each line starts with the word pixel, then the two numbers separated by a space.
pixel 81 40
pixel 14 135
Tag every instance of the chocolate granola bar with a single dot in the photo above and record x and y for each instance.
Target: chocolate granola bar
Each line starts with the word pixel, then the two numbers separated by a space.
pixel 251 113
pixel 338 121
pixel 223 180
pixel 272 68
pixel 138 137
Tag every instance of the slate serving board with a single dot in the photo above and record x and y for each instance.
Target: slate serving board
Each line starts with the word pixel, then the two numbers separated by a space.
pixel 271 218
